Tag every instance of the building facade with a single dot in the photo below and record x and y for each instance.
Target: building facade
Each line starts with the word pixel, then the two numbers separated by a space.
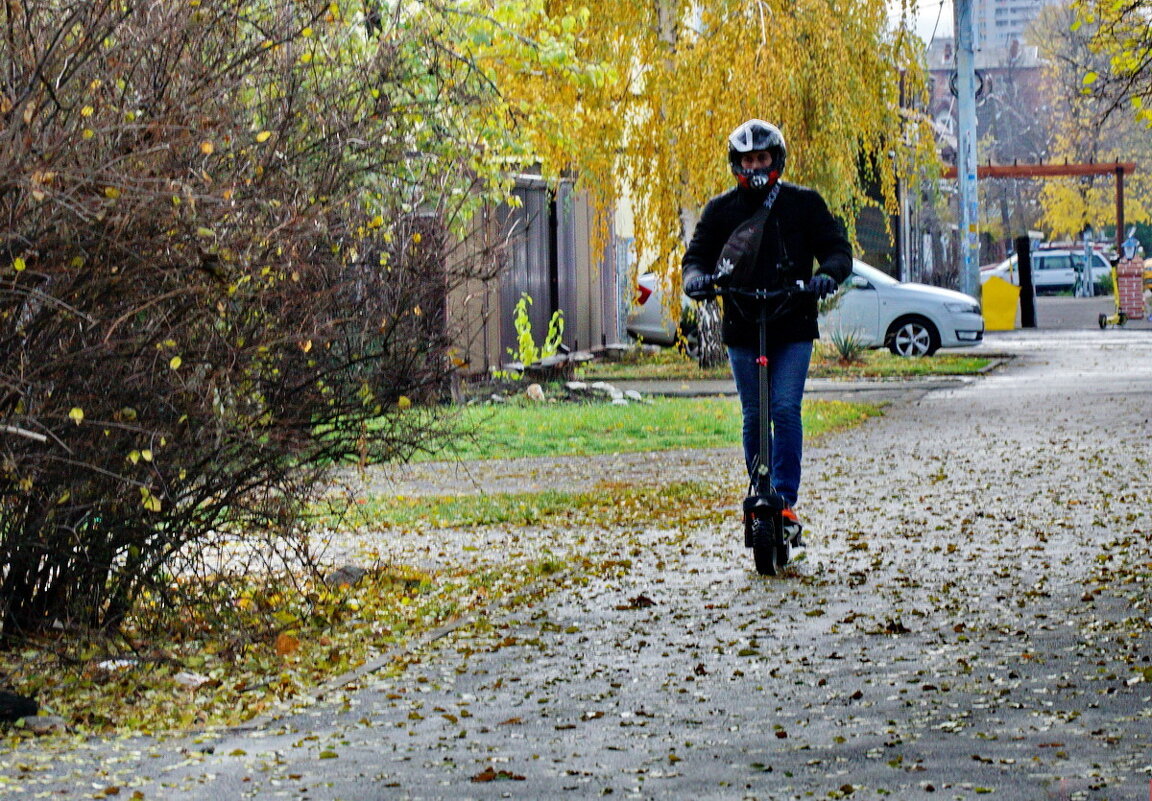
pixel 1000 22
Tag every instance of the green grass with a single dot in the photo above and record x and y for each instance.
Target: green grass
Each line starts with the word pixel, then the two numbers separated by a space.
pixel 882 364
pixel 580 429
pixel 669 364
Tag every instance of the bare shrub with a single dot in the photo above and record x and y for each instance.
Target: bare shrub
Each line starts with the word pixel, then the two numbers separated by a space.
pixel 223 263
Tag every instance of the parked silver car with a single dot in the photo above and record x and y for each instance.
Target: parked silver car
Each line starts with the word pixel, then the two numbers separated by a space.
pixel 650 322
pixel 648 319
pixel 1053 270
pixel 908 319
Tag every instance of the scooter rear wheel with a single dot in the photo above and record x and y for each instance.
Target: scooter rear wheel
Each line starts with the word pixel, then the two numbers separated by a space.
pixel 769 548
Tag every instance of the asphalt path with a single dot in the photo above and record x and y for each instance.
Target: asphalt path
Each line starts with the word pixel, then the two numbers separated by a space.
pixel 972 619
pixel 1060 312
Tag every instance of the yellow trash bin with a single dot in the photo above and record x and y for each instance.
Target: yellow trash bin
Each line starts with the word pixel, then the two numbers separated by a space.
pixel 1000 301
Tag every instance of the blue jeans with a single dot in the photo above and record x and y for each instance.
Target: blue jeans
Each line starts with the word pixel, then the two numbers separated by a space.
pixel 787 371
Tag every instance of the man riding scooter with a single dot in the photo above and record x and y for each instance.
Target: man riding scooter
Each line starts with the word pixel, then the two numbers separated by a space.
pixel 776 233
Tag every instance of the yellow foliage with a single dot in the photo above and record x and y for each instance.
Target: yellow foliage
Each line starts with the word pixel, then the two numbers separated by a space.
pixel 149 501
pixel 642 103
pixel 1086 132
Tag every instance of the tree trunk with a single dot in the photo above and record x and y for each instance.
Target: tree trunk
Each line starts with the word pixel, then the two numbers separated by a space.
pixel 711 352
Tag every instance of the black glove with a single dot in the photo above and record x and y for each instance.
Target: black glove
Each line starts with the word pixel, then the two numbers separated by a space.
pixel 701 287
pixel 822 285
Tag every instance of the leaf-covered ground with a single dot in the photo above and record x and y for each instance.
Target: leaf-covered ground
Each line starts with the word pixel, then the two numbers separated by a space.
pixel 972 618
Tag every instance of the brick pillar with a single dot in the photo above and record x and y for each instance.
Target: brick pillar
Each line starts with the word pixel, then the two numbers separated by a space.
pixel 1130 288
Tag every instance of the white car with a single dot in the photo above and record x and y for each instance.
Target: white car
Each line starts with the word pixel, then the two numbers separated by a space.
pixel 1052 270
pixel 908 319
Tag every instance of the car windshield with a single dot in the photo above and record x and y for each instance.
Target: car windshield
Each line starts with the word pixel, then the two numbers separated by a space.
pixel 872 274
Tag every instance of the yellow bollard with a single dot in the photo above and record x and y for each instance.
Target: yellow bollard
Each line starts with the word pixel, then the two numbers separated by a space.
pixel 1000 301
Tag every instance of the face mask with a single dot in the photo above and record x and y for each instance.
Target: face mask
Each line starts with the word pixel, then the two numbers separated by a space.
pixel 757 180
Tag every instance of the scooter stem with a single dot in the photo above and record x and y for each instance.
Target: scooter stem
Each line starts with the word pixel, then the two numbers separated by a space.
pixel 763 477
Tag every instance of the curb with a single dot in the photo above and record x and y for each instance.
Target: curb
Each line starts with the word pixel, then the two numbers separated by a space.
pixel 815 386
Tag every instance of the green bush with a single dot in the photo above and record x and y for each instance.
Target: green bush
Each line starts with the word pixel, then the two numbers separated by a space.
pixel 526 351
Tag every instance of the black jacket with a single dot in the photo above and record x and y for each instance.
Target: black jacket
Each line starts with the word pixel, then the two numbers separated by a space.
pixel 800 230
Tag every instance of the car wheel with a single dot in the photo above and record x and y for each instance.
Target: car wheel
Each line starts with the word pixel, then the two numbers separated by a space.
pixel 912 336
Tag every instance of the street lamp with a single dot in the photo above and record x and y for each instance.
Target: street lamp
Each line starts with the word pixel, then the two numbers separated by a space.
pixel 1131 244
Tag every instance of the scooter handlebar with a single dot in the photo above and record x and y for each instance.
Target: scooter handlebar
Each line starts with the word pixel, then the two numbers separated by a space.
pixel 763 294
pixel 770 303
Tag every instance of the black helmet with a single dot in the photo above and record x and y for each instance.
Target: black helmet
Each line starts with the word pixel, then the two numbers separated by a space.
pixel 749 137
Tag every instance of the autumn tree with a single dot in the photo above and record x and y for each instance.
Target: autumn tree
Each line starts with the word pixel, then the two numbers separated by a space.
pixel 1120 33
pixel 224 251
pixel 1091 121
pixel 673 77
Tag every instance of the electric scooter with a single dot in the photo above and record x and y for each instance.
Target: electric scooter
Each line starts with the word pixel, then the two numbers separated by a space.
pixel 763 507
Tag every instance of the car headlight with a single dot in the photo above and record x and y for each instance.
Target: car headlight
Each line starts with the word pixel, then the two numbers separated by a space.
pixel 959 308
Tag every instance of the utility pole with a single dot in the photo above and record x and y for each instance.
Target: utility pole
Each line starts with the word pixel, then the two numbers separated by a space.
pixel 904 234
pixel 966 147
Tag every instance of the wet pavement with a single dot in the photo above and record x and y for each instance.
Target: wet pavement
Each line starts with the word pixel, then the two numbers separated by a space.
pixel 1059 312
pixel 972 619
